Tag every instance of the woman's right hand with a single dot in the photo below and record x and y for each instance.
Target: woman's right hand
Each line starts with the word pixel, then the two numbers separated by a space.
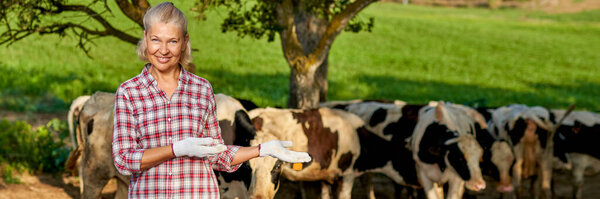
pixel 197 147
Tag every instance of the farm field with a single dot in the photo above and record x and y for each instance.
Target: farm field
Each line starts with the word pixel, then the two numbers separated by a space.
pixel 470 56
pixel 415 54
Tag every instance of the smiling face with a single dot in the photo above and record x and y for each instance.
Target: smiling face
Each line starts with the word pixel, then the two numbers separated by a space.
pixel 165 43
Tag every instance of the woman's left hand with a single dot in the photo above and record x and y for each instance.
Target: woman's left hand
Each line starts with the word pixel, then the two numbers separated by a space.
pixel 277 149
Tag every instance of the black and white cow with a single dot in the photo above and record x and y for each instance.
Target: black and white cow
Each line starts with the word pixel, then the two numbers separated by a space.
pixel 576 144
pixel 328 135
pixel 498 157
pixel 527 130
pixel 384 140
pixel 445 149
pixel 236 129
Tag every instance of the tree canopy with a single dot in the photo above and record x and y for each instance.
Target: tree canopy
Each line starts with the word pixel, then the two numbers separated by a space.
pixel 307 29
pixel 21 19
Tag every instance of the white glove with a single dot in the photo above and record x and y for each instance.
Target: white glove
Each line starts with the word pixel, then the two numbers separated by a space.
pixel 277 149
pixel 197 147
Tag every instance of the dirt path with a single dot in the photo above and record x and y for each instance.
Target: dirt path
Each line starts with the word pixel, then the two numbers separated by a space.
pixel 571 6
pixel 49 187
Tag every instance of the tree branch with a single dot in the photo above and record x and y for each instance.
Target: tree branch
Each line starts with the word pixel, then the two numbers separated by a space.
pixel 110 30
pixel 135 10
pixel 337 24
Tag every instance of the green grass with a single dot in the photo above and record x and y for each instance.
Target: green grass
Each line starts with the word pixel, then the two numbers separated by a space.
pixel 414 54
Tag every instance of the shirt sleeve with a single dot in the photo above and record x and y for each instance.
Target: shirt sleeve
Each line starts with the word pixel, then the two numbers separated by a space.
pixel 126 153
pixel 222 161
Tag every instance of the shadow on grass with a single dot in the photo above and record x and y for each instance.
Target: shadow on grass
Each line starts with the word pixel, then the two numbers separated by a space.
pixel 585 94
pixel 31 90
pixel 35 91
pixel 262 89
pixel 272 89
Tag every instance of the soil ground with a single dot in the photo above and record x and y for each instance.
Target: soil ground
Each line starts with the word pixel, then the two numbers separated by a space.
pixel 49 187
pixel 65 186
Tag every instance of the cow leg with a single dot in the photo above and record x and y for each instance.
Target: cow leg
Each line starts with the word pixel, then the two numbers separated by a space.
pixel 122 189
pixel 81 175
pixel 578 172
pixel 536 185
pixel 368 182
pixel 345 188
pixel 546 177
pixel 398 191
pixel 325 190
pixel 456 188
pixel 92 188
pixel 517 171
pixel 431 190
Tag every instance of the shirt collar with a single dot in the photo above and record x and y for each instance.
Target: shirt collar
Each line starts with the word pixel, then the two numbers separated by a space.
pixel 151 83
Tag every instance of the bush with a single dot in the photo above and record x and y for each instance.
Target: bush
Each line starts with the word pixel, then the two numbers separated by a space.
pixel 35 150
pixel 7 173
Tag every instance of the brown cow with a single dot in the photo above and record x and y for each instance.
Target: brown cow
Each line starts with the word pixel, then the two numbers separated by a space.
pixel 95 130
pixel 329 136
pixel 73 121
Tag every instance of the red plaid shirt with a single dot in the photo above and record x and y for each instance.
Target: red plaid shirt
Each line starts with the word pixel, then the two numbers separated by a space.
pixel 145 118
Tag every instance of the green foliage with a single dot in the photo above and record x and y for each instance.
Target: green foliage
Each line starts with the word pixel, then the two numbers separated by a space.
pixel 257 21
pixel 414 54
pixel 39 150
pixel 8 174
pixel 259 18
pixel 21 19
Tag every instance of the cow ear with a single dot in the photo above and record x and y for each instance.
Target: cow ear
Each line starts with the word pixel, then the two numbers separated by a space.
pixel 439 115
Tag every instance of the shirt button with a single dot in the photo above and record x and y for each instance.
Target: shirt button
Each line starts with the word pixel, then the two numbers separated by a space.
pixel 170 173
pixel 169 119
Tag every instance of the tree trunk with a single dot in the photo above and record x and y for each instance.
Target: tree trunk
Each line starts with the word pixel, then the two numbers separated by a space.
pixel 308 74
pixel 306 40
pixel 307 89
pixel 321 78
pixel 304 92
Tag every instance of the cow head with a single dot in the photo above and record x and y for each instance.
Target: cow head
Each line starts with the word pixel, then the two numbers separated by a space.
pixel 498 157
pixel 456 148
pixel 447 148
pixel 503 158
pixel 464 154
pixel 266 173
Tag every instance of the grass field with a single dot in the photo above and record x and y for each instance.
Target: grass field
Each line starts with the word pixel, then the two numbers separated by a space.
pixel 414 54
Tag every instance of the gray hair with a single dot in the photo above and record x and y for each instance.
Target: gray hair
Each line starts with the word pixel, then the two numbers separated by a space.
pixel 165 12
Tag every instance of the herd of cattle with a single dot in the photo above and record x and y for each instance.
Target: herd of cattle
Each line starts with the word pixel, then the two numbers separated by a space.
pixel 419 147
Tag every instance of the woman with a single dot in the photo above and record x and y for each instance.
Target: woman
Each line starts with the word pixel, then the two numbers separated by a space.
pixel 166 134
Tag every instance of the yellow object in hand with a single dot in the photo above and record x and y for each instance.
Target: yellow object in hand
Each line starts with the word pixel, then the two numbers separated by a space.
pixel 297 166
